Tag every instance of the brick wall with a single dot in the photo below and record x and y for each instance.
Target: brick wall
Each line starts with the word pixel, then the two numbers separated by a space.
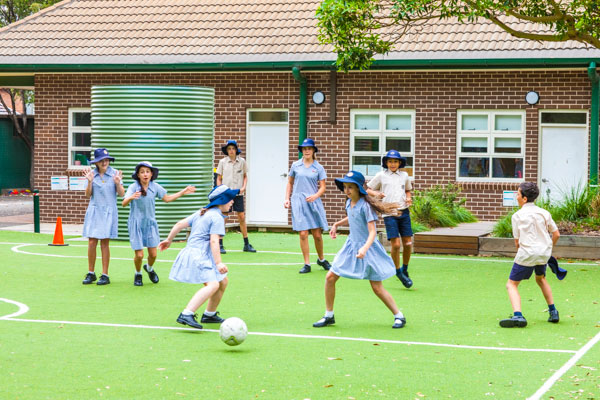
pixel 436 96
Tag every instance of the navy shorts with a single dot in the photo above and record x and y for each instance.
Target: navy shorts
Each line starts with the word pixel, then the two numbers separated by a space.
pixel 238 204
pixel 398 226
pixel 520 272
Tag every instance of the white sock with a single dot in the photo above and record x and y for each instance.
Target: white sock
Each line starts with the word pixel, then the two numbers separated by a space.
pixel 209 313
pixel 328 314
pixel 149 268
pixel 399 315
pixel 138 272
pixel 320 260
pixel 187 312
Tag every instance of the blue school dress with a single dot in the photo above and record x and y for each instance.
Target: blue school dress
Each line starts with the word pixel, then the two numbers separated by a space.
pixel 101 218
pixel 142 225
pixel 305 215
pixel 377 265
pixel 195 263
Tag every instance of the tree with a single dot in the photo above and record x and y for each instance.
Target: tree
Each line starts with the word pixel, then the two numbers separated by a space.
pixel 360 29
pixel 12 11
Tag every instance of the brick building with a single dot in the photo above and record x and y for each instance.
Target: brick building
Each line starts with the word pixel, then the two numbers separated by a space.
pixel 451 97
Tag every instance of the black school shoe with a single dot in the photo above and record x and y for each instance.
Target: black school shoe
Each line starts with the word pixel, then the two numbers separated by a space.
pixel 553 316
pixel 406 281
pixel 514 321
pixel 305 269
pixel 325 264
pixel 137 280
pixel 211 319
pixel 151 274
pixel 222 249
pixel 399 323
pixel 248 247
pixel 89 278
pixel 324 322
pixel 189 320
pixel 104 280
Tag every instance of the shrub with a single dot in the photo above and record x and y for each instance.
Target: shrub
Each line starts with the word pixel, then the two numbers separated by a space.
pixel 440 206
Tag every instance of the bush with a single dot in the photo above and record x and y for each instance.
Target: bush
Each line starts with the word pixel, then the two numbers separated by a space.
pixel 440 206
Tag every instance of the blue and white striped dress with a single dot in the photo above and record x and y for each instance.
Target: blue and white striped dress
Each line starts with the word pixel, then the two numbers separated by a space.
pixel 101 218
pixel 305 215
pixel 142 225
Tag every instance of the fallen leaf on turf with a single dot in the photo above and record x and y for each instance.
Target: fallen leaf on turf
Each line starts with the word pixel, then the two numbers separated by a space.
pixel 592 368
pixel 333 358
pixel 327 386
pixel 160 369
pixel 420 394
pixel 375 344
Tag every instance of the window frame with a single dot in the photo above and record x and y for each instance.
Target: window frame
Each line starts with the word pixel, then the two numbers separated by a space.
pixel 78 129
pixel 382 134
pixel 491 134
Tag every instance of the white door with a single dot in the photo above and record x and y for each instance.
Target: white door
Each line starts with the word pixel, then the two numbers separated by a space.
pixel 267 157
pixel 564 161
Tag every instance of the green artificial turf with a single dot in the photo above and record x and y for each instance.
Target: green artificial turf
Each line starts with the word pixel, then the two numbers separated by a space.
pixel 455 301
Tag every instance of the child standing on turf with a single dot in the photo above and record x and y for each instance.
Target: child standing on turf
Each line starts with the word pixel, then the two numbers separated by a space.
pixel 233 172
pixel 393 186
pixel 200 260
pixel 530 225
pixel 101 218
pixel 307 179
pixel 362 256
pixel 142 225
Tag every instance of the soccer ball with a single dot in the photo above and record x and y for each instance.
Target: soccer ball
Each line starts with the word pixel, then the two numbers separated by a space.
pixel 233 331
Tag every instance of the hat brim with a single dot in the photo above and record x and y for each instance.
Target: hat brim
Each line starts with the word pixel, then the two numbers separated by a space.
pixel 339 182
pixel 314 147
pixel 556 269
pixel 137 170
pixel 95 160
pixel 223 198
pixel 224 149
pixel 385 159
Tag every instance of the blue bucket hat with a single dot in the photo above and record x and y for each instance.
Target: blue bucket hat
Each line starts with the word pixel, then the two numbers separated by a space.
pixel 101 154
pixel 558 271
pixel 145 164
pixel 308 143
pixel 233 143
pixel 221 195
pixel 352 177
pixel 393 154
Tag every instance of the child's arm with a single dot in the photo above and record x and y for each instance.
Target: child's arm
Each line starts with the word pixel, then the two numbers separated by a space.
pixel 333 230
pixel 215 249
pixel 555 236
pixel 89 175
pixel 375 194
pixel 128 200
pixel 219 180
pixel 288 191
pixel 119 183
pixel 174 231
pixel 244 184
pixel 167 198
pixel 408 198
pixel 322 186
pixel 372 233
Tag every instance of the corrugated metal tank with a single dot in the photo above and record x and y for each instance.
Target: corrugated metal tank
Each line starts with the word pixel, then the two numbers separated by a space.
pixel 170 126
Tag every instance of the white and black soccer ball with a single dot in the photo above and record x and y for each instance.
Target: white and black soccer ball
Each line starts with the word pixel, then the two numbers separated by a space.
pixel 233 331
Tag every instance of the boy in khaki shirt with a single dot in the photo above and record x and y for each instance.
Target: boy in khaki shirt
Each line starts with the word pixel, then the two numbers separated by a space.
pixel 531 225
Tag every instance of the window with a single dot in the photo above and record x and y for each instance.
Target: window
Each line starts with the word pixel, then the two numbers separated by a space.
pixel 80 137
pixel 374 132
pixel 491 145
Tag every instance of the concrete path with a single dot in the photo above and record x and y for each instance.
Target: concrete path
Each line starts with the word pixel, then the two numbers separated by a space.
pixel 481 228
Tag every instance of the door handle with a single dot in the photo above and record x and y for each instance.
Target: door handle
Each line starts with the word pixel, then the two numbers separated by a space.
pixel 284 175
pixel 545 180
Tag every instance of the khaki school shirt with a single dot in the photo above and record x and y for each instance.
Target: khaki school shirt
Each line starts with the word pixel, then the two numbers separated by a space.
pixel 394 185
pixel 232 172
pixel 531 225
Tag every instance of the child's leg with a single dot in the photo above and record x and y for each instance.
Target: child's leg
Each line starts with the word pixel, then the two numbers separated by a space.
pixel 138 257
pixel 330 281
pixel 546 290
pixel 241 216
pixel 513 294
pixel 92 244
pixel 318 238
pixel 406 250
pixel 105 255
pixel 151 256
pixel 304 246
pixel 384 296
pixel 395 253
pixel 215 299
pixel 202 295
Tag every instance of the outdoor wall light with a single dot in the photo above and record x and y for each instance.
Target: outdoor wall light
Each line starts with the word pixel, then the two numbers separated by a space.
pixel 532 97
pixel 318 97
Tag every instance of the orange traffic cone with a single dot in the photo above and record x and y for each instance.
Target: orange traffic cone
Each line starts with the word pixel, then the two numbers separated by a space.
pixel 58 234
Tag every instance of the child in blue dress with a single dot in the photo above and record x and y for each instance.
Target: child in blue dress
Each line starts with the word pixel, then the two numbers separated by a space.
pixel 142 225
pixel 307 178
pixel 362 256
pixel 101 218
pixel 200 260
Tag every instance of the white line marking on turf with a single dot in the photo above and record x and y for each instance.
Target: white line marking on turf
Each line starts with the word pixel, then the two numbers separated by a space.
pixel 562 370
pixel 23 309
pixel 477 259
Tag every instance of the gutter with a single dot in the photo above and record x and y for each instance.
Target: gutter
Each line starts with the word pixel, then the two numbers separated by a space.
pixel 302 125
pixel 595 81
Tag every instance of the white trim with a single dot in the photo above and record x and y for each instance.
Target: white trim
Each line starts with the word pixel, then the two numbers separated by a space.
pixel 79 129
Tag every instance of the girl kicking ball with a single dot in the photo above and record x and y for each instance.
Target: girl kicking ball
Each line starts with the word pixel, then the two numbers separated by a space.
pixel 362 256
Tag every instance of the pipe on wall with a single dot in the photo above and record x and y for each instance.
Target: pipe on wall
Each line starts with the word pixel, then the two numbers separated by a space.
pixel 595 81
pixel 303 98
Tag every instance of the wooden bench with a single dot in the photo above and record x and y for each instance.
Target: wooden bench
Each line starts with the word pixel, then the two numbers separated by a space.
pixel 426 242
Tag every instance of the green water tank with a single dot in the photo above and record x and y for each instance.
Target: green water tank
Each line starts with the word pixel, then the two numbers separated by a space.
pixel 170 126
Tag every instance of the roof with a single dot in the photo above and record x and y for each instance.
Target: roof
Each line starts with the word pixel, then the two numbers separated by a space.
pixel 154 32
